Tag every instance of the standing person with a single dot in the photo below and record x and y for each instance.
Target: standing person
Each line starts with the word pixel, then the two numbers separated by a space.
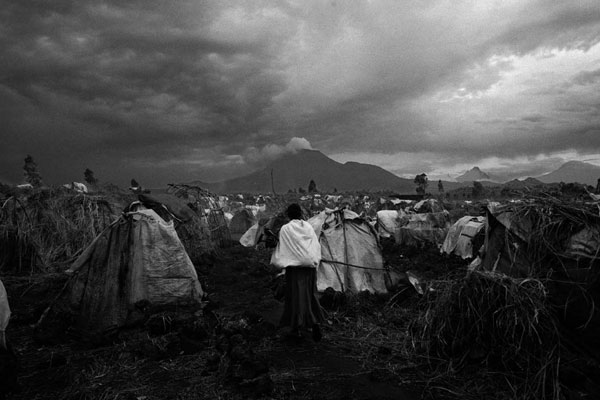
pixel 299 253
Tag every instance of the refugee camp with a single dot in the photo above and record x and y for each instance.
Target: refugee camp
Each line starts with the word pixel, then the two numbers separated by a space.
pixel 300 200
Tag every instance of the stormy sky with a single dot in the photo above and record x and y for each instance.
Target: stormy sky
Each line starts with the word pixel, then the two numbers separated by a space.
pixel 172 91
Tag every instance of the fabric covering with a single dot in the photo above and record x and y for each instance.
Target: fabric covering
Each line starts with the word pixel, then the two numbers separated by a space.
pixel 298 245
pixel 252 235
pixel 585 244
pixel 423 229
pixel 139 258
pixel 175 205
pixel 4 315
pixel 301 306
pixel 461 235
pixel 428 206
pixel 348 239
pixel 389 222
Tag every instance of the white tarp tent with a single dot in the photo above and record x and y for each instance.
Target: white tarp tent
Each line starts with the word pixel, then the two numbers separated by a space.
pixel 459 239
pixel 351 256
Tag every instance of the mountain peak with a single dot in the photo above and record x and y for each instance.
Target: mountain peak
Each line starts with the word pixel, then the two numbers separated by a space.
pixel 474 174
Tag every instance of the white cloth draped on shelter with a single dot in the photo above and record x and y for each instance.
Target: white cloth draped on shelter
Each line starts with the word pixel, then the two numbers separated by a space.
pixel 459 239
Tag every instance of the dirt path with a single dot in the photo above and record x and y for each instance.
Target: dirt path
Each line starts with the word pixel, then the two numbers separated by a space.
pixel 299 370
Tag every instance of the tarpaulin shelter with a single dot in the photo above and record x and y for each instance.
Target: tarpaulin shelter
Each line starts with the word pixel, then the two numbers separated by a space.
pixel 262 229
pixel 192 227
pixel 208 207
pixel 138 260
pixel 423 229
pixel 428 206
pixel 389 222
pixel 466 235
pixel 350 252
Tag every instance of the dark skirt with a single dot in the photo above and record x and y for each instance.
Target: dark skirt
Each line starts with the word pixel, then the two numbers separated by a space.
pixel 301 305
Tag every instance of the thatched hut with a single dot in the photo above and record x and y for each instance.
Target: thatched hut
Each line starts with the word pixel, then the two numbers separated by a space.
pixel 558 243
pixel 46 229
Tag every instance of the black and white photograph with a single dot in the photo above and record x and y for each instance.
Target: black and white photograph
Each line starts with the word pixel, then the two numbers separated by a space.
pixel 285 199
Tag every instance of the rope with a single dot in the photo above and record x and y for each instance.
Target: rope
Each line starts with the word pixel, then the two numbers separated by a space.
pixel 352 265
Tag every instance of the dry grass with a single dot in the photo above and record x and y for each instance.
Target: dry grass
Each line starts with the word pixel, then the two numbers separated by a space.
pixel 48 229
pixel 496 323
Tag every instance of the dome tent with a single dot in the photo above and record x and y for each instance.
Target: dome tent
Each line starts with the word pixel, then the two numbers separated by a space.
pixel 137 261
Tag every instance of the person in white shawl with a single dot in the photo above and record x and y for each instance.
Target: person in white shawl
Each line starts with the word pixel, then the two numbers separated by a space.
pixel 299 252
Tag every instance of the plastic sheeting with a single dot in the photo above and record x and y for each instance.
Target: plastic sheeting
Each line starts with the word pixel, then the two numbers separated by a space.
pixel 585 244
pixel 389 222
pixel 352 243
pixel 139 258
pixel 252 235
pixel 422 229
pixel 459 239
pixel 4 315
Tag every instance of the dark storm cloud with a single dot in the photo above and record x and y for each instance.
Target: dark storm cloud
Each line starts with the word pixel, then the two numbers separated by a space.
pixel 205 90
pixel 104 78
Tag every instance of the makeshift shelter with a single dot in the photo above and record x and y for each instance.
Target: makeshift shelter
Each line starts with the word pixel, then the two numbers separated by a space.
pixel 193 229
pixel 240 223
pixel 558 243
pixel 265 227
pixel 208 207
pixel 137 262
pixel 423 229
pixel 4 316
pixel 45 229
pixel 351 256
pixel 466 234
pixel 428 206
pixel 389 222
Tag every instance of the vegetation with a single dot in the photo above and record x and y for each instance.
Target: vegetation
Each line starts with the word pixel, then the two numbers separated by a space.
pixel 89 177
pixel 32 176
pixel 50 228
pixel 478 190
pixel 421 181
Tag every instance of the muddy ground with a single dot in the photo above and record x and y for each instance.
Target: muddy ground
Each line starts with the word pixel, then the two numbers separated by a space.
pixel 231 347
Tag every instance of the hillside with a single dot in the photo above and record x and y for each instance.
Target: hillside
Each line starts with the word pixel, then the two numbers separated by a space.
pixel 297 170
pixel 522 184
pixel 573 171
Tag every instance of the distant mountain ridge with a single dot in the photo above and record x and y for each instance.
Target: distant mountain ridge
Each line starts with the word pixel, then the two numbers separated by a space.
pixel 573 171
pixel 297 170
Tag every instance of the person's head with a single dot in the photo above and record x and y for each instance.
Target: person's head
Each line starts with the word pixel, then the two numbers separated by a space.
pixel 294 211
